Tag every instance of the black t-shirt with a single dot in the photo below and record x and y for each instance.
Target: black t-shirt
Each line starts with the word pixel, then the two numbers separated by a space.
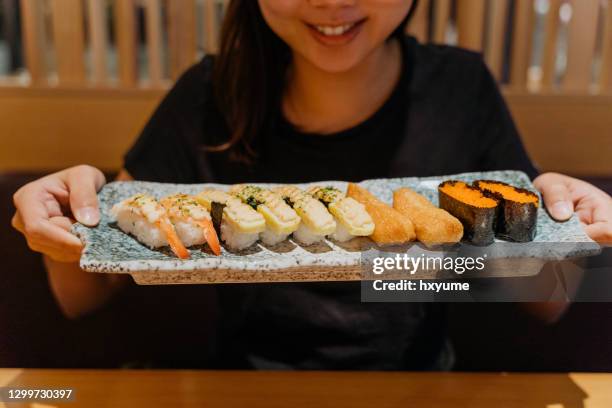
pixel 445 116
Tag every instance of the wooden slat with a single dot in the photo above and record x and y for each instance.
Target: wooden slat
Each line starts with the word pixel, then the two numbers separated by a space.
pixel 496 31
pixel 442 9
pixel 605 78
pixel 98 35
pixel 69 40
pixel 33 31
pixel 549 53
pixel 581 45
pixel 522 37
pixel 211 27
pixel 182 36
pixel 470 23
pixel 125 33
pixel 419 25
pixel 154 40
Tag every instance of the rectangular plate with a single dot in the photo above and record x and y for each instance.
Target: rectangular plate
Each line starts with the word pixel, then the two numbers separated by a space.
pixel 109 250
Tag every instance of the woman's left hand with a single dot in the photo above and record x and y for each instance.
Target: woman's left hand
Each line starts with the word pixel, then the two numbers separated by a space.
pixel 564 195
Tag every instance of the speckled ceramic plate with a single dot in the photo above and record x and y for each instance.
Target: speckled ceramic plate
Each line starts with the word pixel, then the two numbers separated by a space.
pixel 109 250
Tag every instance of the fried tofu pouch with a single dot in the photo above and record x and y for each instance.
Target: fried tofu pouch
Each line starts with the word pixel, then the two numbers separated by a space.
pixel 433 225
pixel 391 226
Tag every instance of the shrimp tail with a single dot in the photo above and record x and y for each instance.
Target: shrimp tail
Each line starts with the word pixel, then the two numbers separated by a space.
pixel 173 239
pixel 211 235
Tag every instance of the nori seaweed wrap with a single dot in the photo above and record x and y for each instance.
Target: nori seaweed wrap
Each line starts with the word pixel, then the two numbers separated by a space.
pixel 518 210
pixel 476 211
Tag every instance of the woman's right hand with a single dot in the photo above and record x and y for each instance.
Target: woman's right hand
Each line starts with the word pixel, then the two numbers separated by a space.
pixel 47 207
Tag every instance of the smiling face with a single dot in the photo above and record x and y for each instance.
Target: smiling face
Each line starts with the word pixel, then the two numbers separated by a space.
pixel 334 35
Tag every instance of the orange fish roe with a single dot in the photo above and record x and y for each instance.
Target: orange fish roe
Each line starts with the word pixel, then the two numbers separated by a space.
pixel 467 194
pixel 509 192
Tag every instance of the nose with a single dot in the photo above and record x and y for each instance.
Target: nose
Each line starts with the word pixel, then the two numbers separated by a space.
pixel 332 3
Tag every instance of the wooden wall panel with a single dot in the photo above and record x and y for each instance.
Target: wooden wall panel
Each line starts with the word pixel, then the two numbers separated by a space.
pixel 441 15
pixel 496 33
pixel 69 41
pixel 33 32
pixel 581 45
pixel 182 38
pixel 125 33
pixel 154 27
pixel 98 37
pixel 470 23
pixel 605 77
pixel 522 37
pixel 549 53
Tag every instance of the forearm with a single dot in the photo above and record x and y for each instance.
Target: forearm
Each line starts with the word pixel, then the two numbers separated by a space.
pixel 79 293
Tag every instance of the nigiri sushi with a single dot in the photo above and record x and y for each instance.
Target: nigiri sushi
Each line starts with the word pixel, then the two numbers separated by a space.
pixel 191 221
pixel 281 219
pixel 351 217
pixel 146 219
pixel 239 225
pixel 316 223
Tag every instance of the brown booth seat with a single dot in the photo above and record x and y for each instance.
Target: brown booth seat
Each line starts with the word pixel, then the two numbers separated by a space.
pixel 173 325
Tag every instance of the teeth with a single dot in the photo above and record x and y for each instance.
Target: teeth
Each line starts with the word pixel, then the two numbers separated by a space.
pixel 334 30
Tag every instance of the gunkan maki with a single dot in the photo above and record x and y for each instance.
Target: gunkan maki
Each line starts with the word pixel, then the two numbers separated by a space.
pixel 476 211
pixel 518 210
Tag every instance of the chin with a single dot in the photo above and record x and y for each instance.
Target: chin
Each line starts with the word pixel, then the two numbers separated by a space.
pixel 336 62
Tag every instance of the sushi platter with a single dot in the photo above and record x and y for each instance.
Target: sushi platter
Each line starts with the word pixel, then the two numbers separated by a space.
pixel 210 233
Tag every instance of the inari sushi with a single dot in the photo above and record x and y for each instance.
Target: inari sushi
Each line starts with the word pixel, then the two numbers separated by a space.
pixel 191 221
pixel 391 226
pixel 476 211
pixel 433 225
pixel 281 219
pixel 146 219
pixel 352 219
pixel 239 225
pixel 316 223
pixel 518 210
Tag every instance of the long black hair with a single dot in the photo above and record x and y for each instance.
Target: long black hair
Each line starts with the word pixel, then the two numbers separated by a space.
pixel 249 74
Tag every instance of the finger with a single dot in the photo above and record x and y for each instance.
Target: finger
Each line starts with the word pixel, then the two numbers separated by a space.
pixel 17 222
pixel 83 183
pixel 557 198
pixel 64 223
pixel 600 232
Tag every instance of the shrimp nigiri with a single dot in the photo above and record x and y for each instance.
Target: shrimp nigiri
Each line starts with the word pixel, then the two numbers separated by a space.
pixel 146 219
pixel 192 221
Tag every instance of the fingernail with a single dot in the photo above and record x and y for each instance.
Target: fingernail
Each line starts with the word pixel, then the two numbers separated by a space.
pixel 562 210
pixel 88 215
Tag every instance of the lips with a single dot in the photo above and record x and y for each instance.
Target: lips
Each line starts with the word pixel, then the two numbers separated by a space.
pixel 336 34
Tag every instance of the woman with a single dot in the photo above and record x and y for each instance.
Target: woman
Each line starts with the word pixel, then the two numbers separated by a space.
pixel 306 90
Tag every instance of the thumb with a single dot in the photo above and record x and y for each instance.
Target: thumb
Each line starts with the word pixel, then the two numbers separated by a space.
pixel 83 185
pixel 556 195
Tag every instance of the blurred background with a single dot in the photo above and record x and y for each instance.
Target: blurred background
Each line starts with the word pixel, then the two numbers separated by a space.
pixel 79 78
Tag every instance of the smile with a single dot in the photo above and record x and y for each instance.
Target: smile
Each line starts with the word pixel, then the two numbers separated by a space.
pixel 334 30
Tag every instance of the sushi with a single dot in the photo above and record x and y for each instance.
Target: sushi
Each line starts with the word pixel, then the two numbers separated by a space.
pixel 351 217
pixel 281 219
pixel 391 226
pixel 316 223
pixel 433 226
pixel 146 219
pixel 476 211
pixel 517 212
pixel 191 221
pixel 239 225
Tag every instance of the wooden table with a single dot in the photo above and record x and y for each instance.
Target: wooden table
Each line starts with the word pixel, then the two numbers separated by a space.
pixel 125 388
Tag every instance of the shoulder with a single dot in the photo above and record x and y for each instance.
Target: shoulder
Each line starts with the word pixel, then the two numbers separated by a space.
pixel 194 86
pixel 444 67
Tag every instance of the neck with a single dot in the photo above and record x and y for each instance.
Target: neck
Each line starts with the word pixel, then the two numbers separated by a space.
pixel 322 102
